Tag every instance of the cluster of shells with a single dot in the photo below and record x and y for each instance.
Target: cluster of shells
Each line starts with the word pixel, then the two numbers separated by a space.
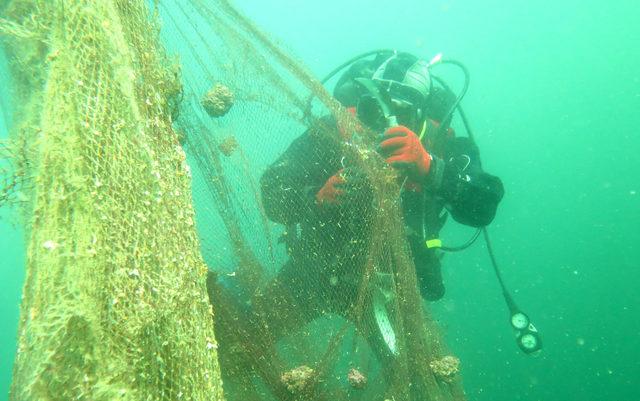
pixel 218 101
pixel 445 368
pixel 297 380
pixel 228 145
pixel 356 379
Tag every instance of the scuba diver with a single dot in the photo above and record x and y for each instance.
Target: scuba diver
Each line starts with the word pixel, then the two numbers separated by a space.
pixel 320 199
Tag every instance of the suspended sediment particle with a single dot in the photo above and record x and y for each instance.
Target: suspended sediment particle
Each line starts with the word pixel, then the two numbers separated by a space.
pixel 445 368
pixel 218 101
pixel 298 379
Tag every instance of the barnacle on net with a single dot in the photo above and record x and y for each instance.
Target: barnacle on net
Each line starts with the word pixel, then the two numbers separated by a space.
pixel 298 379
pixel 445 368
pixel 356 378
pixel 218 100
pixel 228 145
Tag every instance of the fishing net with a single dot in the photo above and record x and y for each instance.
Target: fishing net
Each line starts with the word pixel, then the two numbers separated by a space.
pixel 336 317
pixel 107 116
pixel 114 304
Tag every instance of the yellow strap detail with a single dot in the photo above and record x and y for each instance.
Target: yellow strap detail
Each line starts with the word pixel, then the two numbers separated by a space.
pixel 433 243
pixel 424 129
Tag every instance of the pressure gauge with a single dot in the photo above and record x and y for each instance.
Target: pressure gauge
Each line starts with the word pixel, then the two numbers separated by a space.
pixel 519 321
pixel 529 342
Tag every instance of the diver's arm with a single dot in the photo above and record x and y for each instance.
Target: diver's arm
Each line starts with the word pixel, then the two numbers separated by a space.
pixel 470 194
pixel 290 184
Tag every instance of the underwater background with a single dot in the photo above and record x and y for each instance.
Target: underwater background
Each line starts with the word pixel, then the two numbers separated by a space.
pixel 554 102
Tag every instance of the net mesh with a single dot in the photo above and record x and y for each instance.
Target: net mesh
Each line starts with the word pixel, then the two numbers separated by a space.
pixel 335 317
pixel 114 303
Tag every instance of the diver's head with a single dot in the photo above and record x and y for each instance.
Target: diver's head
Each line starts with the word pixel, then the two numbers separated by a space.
pixel 392 84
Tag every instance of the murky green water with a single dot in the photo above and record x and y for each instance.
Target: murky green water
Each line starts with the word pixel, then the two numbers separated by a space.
pixel 554 102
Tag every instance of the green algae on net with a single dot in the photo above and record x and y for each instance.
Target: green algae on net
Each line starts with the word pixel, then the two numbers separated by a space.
pixel 114 304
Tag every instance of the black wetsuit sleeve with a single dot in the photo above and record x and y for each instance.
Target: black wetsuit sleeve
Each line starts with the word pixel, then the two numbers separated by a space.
pixel 289 185
pixel 470 194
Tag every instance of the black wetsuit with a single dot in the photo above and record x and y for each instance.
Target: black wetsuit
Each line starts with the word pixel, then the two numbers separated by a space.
pixel 455 183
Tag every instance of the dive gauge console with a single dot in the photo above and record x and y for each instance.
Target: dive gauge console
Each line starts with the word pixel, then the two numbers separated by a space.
pixel 527 335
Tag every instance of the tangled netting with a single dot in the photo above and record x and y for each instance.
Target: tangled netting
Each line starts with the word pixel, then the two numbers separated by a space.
pixel 333 324
pixel 115 304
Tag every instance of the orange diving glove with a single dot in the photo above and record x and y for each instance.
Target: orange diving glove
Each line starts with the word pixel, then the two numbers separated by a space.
pixel 347 187
pixel 331 191
pixel 403 150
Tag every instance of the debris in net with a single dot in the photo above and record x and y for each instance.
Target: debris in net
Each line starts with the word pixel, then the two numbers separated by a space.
pixel 218 100
pixel 356 378
pixel 298 379
pixel 445 368
pixel 228 145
